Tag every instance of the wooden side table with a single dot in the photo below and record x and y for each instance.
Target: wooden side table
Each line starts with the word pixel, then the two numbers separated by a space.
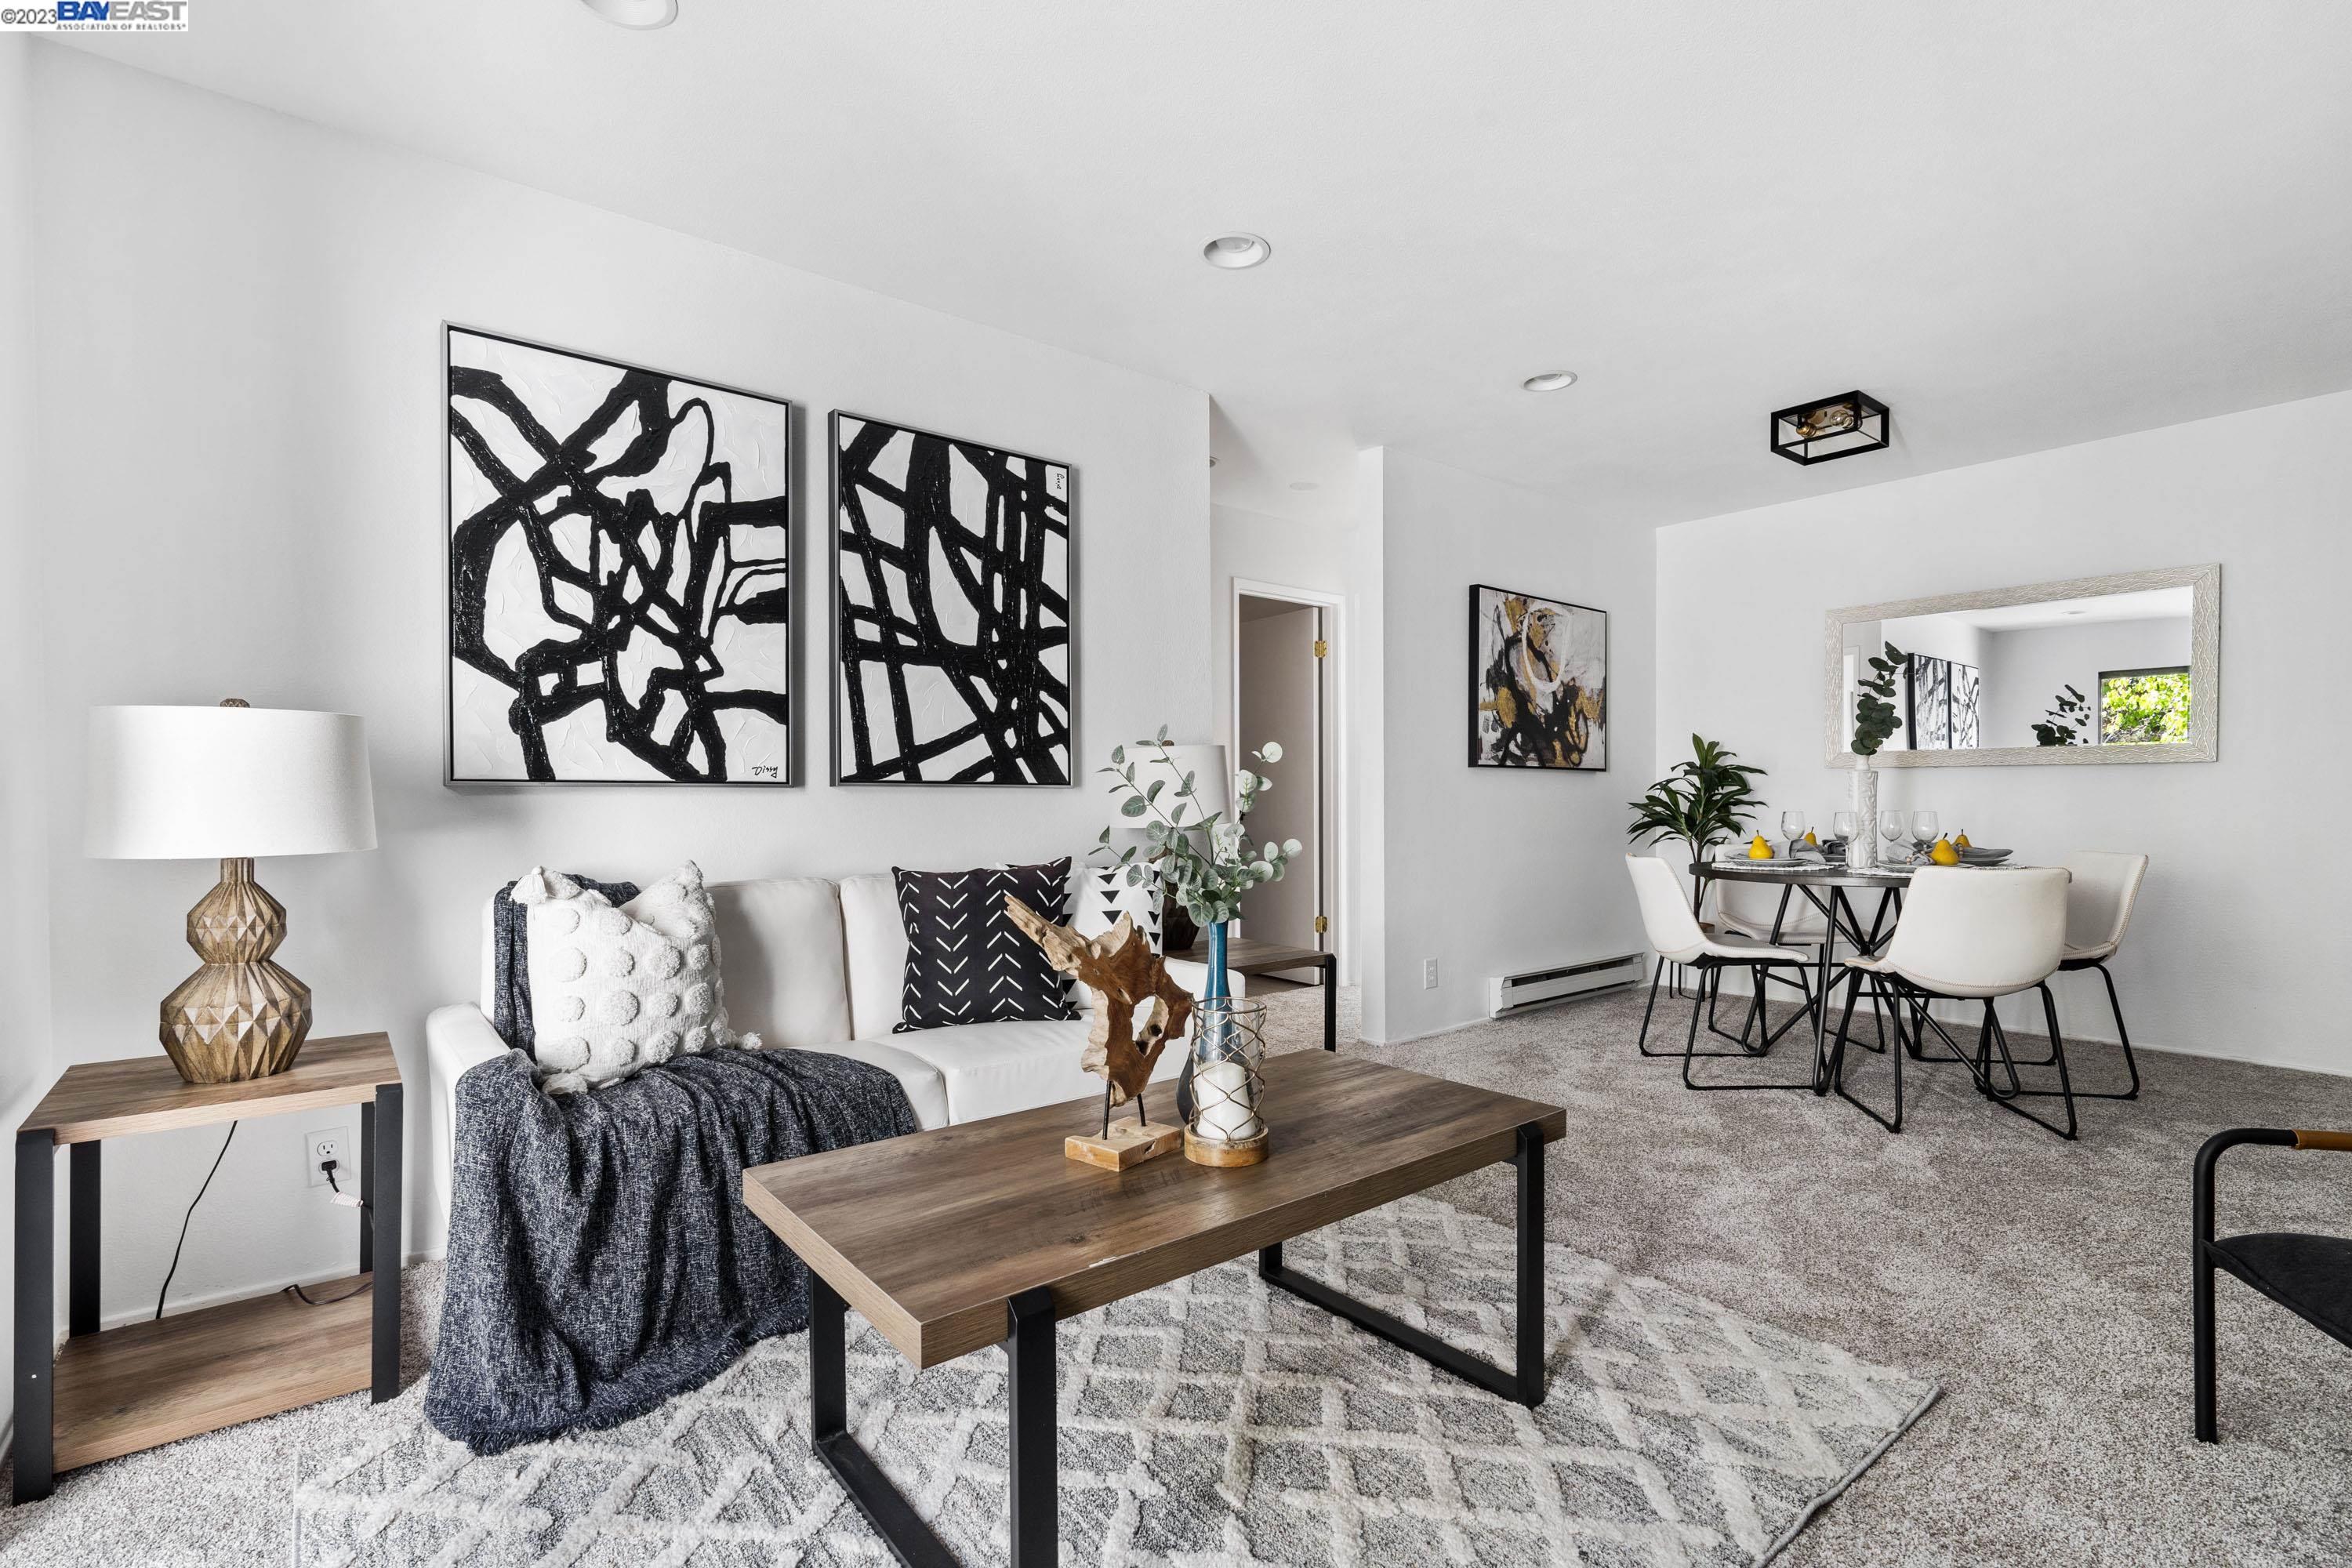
pixel 1245 956
pixel 110 1393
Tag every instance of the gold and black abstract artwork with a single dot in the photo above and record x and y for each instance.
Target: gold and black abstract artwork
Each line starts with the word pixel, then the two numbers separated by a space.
pixel 1539 682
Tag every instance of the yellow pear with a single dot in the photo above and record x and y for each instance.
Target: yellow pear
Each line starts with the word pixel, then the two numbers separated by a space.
pixel 1758 849
pixel 1961 842
pixel 1811 839
pixel 1943 854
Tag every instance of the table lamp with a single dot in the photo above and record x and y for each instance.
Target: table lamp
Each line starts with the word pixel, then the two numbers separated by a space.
pixel 230 783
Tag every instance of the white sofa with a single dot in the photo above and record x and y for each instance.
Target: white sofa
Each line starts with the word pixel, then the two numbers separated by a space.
pixel 821 966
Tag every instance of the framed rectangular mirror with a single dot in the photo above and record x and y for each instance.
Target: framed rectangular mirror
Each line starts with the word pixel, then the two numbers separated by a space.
pixel 2099 670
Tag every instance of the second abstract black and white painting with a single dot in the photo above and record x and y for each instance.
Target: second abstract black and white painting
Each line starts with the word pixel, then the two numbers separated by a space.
pixel 951 610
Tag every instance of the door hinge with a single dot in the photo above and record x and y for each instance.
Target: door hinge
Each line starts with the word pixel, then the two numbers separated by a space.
pixel 1321 647
pixel 1322 924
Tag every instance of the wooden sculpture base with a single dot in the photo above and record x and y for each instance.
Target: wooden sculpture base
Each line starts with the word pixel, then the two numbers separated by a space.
pixel 1127 1143
pixel 1215 1151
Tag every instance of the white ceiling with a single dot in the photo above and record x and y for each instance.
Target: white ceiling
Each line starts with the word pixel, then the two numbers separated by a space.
pixel 2023 225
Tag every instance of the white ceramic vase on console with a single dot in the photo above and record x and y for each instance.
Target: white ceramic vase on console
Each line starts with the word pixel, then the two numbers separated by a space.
pixel 1861 848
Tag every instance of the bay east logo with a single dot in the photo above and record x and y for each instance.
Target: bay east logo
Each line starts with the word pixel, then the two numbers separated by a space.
pixel 98 16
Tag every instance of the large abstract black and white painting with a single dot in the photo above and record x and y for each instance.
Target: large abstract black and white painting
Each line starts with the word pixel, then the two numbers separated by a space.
pixel 951 610
pixel 620 560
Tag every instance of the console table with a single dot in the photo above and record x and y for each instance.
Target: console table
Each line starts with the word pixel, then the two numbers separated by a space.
pixel 1245 956
pixel 109 1394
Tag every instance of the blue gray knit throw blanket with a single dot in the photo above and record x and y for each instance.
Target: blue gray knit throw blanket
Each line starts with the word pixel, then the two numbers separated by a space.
pixel 601 1259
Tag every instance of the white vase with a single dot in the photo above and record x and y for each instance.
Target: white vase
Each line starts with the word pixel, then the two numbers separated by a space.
pixel 1861 849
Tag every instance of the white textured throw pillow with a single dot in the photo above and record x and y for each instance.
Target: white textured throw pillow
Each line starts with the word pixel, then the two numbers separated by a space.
pixel 1100 894
pixel 613 989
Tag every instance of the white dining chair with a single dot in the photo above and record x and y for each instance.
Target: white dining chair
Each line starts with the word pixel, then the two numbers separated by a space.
pixel 1781 916
pixel 2098 912
pixel 1969 935
pixel 1674 931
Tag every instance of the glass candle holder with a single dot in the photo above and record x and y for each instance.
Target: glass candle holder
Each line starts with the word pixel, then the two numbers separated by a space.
pixel 1228 1082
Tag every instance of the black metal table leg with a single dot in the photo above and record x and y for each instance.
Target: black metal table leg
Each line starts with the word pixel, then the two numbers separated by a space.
pixel 1030 1382
pixel 1525 1382
pixel 1031 1388
pixel 35 1311
pixel 381 1163
pixel 1331 1002
pixel 81 1239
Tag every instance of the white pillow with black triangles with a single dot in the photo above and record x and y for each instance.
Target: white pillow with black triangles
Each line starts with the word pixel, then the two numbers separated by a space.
pixel 966 963
pixel 1100 894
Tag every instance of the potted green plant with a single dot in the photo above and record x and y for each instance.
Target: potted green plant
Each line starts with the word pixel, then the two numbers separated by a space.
pixel 2068 716
pixel 1703 802
pixel 1876 719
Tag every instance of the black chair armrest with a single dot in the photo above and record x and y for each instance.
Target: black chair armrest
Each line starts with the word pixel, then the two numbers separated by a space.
pixel 2202 1199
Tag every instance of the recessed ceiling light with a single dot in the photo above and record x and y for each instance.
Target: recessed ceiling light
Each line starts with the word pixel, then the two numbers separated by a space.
pixel 1304 485
pixel 1549 381
pixel 643 14
pixel 1235 251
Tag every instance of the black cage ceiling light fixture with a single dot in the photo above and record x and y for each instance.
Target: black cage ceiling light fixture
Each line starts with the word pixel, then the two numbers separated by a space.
pixel 1828 428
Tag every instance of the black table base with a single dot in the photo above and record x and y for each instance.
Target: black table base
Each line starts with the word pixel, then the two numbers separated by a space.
pixel 1033 1483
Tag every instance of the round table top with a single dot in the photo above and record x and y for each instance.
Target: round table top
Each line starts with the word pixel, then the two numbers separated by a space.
pixel 1813 873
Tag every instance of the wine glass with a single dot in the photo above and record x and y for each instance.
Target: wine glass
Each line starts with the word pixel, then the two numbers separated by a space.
pixel 1792 828
pixel 1891 829
pixel 1923 829
pixel 1842 825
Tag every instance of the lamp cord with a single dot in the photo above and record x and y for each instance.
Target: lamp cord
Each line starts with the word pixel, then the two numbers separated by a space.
pixel 304 1296
pixel 191 1214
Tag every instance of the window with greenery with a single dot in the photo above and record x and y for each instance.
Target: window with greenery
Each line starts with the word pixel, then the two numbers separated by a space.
pixel 2143 707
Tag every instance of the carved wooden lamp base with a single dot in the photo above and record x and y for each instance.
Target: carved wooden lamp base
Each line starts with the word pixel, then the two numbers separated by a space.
pixel 241 1015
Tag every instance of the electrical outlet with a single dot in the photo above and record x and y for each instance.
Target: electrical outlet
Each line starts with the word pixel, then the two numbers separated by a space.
pixel 1429 975
pixel 334 1143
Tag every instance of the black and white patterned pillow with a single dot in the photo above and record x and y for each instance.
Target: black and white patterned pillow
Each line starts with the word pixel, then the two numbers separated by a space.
pixel 966 963
pixel 1102 894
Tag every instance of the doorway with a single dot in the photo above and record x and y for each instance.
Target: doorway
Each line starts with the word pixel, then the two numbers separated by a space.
pixel 1283 692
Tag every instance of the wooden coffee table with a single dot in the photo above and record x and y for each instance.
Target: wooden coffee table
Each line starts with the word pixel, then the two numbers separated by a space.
pixel 985 1233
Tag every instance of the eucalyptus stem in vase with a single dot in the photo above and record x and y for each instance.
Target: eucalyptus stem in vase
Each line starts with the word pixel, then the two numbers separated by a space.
pixel 1875 723
pixel 1204 858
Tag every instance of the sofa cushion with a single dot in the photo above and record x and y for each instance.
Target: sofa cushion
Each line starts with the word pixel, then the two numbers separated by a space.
pixel 787 968
pixel 927 1091
pixel 966 963
pixel 875 939
pixel 994 1069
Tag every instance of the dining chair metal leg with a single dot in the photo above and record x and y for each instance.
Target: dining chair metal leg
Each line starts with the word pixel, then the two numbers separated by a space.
pixel 1699 1002
pixel 1691 1053
pixel 1855 980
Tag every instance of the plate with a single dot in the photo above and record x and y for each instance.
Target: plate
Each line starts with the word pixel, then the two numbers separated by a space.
pixel 1974 853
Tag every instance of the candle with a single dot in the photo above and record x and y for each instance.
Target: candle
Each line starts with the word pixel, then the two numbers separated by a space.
pixel 1225 1103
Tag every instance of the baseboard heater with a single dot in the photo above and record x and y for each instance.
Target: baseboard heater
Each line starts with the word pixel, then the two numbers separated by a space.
pixel 1517 992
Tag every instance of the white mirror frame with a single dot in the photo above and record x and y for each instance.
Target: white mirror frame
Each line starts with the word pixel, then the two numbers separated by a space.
pixel 2203 744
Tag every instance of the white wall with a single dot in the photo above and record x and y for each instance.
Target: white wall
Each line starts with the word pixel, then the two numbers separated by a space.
pixel 1497 869
pixel 2233 891
pixel 241 487
pixel 24 843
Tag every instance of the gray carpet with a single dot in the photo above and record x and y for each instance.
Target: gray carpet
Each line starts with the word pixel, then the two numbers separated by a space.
pixel 2043 1285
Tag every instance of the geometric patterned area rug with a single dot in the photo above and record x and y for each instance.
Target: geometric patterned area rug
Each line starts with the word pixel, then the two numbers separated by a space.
pixel 1211 1421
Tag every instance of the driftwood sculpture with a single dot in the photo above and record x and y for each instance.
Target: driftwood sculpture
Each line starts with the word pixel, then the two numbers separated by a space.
pixel 1126 977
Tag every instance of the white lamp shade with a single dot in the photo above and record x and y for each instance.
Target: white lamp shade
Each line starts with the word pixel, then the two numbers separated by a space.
pixel 204 783
pixel 1213 784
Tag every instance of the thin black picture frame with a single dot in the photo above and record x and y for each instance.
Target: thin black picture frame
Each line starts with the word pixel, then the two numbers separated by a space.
pixel 791 774
pixel 835 706
pixel 1471 657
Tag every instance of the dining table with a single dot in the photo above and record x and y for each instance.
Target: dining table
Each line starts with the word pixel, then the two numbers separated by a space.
pixel 1826 885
